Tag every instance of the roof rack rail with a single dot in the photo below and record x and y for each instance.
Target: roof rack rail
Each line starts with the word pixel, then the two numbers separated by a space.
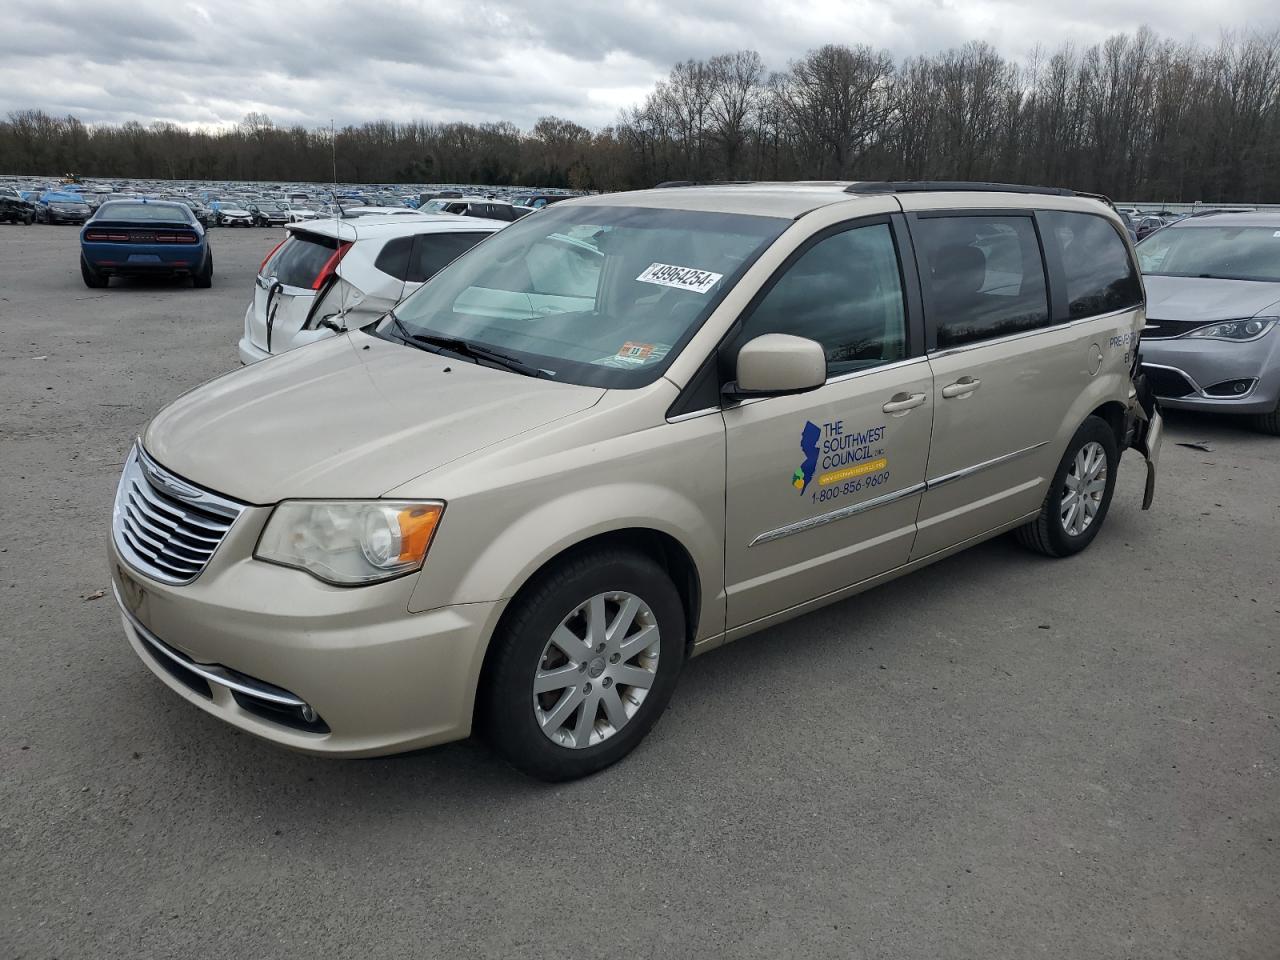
pixel 946 186
pixel 959 186
pixel 666 184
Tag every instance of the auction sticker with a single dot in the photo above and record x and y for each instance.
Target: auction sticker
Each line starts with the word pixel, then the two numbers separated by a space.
pixel 682 278
pixel 635 351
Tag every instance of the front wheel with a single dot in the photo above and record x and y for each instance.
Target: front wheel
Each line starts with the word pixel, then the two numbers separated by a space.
pixel 1079 494
pixel 1268 422
pixel 583 665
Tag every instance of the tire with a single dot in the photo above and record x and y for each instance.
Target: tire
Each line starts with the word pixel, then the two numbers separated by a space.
pixel 29 219
pixel 92 278
pixel 557 601
pixel 204 279
pixel 1267 422
pixel 1049 533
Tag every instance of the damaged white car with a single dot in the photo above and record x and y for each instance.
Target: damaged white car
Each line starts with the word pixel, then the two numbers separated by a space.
pixel 328 276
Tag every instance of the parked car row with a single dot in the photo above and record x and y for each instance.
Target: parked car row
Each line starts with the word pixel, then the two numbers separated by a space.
pixel 73 200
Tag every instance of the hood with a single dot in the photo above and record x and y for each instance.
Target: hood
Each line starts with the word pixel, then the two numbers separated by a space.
pixel 1201 299
pixel 353 417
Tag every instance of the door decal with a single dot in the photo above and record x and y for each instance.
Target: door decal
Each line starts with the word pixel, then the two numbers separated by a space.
pixel 845 461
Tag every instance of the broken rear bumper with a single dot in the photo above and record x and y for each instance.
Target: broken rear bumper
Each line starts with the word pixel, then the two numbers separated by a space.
pixel 1144 432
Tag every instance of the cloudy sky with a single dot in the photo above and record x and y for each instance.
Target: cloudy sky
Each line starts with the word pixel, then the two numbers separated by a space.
pixel 211 62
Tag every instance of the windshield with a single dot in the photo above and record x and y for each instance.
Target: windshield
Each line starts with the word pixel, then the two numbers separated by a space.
pixel 603 296
pixel 1231 252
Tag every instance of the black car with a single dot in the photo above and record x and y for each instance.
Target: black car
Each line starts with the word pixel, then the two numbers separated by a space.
pixel 539 200
pixel 268 213
pixel 13 209
pixel 201 212
pixel 58 207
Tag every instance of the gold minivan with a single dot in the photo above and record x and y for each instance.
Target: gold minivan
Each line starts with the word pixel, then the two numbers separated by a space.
pixel 619 433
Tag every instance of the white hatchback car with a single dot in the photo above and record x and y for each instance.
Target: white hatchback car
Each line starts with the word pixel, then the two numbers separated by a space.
pixel 327 276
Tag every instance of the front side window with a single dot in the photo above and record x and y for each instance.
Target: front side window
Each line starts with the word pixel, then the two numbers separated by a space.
pixel 1100 274
pixel 1220 252
pixel 985 277
pixel 844 292
pixel 597 295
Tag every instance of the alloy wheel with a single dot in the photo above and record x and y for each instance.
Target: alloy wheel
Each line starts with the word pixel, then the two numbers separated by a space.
pixel 1083 489
pixel 596 670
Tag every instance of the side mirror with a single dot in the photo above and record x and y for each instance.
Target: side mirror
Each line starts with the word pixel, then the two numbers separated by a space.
pixel 777 363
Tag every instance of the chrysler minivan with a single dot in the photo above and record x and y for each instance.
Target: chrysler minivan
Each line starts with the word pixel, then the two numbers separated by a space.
pixel 619 434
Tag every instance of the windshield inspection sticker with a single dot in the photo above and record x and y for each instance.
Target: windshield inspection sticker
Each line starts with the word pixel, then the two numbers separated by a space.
pixel 682 278
pixel 634 354
pixel 635 351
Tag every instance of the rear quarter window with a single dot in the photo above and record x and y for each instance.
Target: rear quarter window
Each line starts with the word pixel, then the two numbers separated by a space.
pixel 1101 276
pixel 393 259
pixel 432 251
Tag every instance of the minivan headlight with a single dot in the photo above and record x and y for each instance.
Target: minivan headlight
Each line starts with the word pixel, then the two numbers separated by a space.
pixel 349 543
pixel 1235 330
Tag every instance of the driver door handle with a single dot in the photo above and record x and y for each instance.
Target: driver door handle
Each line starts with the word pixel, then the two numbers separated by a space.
pixel 901 404
pixel 961 388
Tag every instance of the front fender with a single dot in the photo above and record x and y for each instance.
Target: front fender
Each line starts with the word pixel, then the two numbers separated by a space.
pixel 498 569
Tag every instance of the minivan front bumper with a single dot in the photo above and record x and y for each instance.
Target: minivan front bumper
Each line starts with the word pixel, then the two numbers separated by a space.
pixel 254 644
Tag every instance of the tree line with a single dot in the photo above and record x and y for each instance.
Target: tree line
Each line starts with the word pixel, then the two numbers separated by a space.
pixel 1136 116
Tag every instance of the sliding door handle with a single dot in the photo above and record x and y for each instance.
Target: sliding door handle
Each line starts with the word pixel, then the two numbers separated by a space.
pixel 961 388
pixel 900 404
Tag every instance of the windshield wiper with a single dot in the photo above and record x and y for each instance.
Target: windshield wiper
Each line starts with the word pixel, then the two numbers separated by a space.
pixel 465 348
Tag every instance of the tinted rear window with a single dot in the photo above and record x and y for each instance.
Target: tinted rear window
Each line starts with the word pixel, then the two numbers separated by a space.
pixel 394 257
pixel 300 259
pixel 985 276
pixel 1100 275
pixel 143 211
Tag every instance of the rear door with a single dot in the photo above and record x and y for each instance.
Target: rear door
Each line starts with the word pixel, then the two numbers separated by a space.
pixel 1002 383
pixel 286 287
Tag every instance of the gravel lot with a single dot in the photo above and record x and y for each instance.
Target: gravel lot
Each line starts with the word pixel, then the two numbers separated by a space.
pixel 1001 756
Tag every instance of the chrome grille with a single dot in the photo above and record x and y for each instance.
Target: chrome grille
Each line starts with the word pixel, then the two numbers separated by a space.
pixel 164 526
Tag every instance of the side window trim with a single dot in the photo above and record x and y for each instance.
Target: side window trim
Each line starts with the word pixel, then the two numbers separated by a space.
pixel 1052 289
pixel 1055 272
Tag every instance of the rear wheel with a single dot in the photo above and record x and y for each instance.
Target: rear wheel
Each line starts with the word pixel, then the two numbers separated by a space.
pixel 583 665
pixel 92 278
pixel 1079 494
pixel 204 279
